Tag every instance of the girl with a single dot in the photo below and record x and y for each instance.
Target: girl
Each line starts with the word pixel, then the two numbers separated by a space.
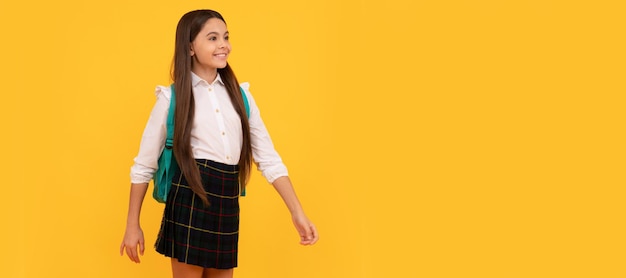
pixel 214 145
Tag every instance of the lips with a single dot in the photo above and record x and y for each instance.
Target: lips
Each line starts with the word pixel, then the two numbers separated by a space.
pixel 221 55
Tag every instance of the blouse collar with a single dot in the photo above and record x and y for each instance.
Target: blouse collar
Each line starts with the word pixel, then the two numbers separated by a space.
pixel 196 80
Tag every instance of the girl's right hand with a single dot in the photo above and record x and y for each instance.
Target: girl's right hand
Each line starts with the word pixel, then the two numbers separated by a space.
pixel 132 238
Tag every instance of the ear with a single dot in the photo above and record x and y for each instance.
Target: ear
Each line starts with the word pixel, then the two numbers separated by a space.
pixel 191 49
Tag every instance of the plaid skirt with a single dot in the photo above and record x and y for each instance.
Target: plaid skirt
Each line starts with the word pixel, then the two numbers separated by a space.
pixel 199 235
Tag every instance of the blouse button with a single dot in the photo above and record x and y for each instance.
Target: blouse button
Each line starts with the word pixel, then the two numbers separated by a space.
pixel 217 110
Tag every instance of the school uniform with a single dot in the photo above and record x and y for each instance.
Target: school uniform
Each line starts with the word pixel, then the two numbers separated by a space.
pixel 191 232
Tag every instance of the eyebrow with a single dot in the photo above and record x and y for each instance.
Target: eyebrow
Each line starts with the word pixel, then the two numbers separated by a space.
pixel 216 33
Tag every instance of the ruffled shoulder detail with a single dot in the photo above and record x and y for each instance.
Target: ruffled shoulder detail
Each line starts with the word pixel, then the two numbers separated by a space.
pixel 163 90
pixel 245 86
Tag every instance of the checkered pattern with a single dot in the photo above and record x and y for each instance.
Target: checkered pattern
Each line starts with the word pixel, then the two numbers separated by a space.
pixel 199 235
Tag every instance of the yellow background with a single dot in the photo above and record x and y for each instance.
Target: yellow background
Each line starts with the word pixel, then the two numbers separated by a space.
pixel 425 138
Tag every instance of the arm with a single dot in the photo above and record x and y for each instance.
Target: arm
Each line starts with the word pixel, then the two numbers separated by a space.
pixel 306 229
pixel 141 173
pixel 134 235
pixel 275 172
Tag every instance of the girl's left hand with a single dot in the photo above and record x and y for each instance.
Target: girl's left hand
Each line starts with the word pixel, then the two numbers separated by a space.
pixel 306 229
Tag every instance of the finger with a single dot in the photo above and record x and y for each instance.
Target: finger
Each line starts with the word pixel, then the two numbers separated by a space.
pixel 312 236
pixel 122 249
pixel 136 255
pixel 137 260
pixel 315 234
pixel 129 253
pixel 307 235
pixel 141 247
pixel 132 253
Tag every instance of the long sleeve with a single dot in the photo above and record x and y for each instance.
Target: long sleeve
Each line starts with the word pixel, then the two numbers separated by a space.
pixel 265 155
pixel 153 139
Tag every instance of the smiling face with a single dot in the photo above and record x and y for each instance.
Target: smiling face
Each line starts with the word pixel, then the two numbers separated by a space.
pixel 210 48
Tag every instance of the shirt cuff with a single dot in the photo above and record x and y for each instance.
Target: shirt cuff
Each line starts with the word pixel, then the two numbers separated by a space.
pixel 141 174
pixel 275 172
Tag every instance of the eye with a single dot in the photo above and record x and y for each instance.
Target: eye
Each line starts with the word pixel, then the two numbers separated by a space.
pixel 227 37
pixel 213 38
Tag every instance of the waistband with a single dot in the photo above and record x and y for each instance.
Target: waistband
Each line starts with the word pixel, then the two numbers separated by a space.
pixel 217 166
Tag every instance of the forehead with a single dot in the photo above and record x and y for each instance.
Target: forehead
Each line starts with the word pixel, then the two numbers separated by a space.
pixel 214 25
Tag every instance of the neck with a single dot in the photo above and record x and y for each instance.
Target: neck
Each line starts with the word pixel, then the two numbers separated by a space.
pixel 208 75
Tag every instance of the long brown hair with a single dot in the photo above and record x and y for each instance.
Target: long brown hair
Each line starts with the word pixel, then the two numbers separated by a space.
pixel 188 28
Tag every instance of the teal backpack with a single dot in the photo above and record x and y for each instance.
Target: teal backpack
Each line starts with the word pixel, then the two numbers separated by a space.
pixel 167 163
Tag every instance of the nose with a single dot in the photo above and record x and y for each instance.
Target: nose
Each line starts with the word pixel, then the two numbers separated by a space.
pixel 223 43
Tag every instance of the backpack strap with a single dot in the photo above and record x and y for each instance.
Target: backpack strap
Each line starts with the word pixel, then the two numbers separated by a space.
pixel 169 140
pixel 247 106
pixel 245 101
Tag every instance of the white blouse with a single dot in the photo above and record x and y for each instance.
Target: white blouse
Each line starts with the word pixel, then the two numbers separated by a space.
pixel 216 133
